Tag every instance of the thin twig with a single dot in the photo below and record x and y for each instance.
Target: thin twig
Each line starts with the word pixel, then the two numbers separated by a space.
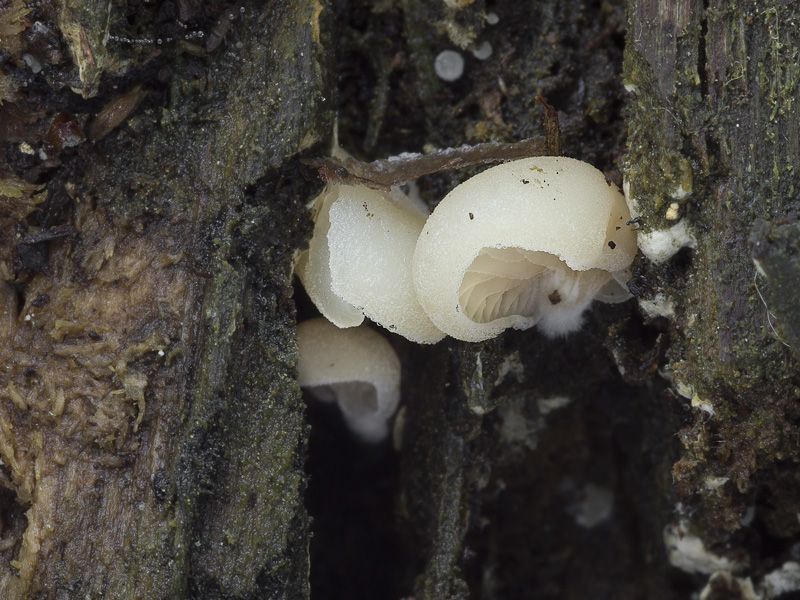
pixel 384 173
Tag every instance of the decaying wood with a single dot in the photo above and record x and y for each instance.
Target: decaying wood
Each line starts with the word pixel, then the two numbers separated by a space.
pixel 713 140
pixel 152 436
pixel 384 173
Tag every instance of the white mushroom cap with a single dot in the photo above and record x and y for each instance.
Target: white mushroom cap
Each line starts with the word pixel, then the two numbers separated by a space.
pixel 313 266
pixel 356 367
pixel 526 242
pixel 359 260
pixel 371 243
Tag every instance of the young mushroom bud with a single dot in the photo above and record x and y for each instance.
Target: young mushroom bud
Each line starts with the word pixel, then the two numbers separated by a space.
pixel 528 242
pixel 355 367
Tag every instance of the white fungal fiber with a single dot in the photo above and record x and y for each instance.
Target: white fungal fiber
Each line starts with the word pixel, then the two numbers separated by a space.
pixel 528 242
pixel 355 367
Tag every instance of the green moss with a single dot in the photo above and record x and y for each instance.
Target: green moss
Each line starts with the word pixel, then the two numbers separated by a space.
pixel 657 170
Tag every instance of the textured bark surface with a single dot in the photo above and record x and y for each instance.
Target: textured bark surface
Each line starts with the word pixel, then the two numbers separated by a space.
pixel 714 135
pixel 153 439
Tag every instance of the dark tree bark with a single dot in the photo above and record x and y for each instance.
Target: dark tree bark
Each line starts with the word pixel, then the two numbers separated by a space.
pixel 713 143
pixel 153 438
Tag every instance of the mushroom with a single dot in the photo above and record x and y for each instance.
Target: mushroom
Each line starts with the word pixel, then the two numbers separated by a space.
pixel 313 265
pixel 359 260
pixel 529 242
pixel 355 367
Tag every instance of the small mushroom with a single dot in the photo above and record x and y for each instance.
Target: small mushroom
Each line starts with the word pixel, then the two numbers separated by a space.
pixel 355 367
pixel 530 242
pixel 371 240
pixel 359 261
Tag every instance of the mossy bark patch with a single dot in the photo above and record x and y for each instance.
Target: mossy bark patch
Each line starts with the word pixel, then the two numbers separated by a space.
pixel 712 92
pixel 151 428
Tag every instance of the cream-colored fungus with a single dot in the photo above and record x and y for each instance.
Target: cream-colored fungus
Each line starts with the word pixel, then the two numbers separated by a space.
pixel 357 368
pixel 359 260
pixel 313 265
pixel 528 242
pixel 371 242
